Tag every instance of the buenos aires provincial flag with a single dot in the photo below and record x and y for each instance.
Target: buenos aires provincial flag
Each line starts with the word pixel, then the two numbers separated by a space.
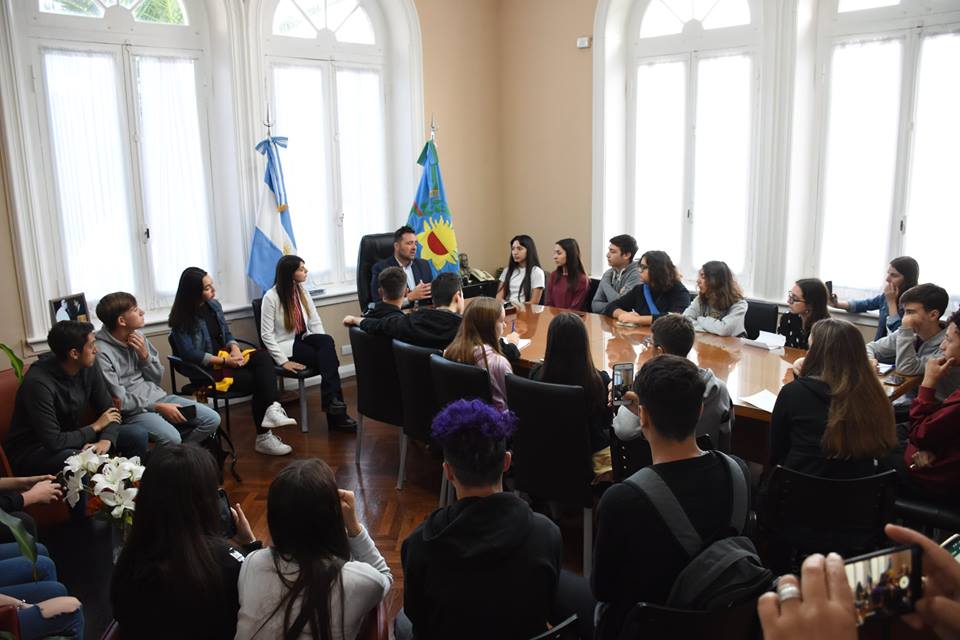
pixel 273 236
pixel 430 217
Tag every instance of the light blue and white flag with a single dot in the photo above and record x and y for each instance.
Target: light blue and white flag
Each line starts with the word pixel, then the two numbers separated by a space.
pixel 273 236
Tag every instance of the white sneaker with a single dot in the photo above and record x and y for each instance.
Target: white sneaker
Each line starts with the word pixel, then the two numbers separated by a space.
pixel 270 445
pixel 276 417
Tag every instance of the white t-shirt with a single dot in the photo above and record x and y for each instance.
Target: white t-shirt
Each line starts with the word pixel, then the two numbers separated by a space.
pixel 537 280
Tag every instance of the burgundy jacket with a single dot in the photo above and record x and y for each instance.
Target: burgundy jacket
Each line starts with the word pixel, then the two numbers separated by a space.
pixel 561 294
pixel 936 428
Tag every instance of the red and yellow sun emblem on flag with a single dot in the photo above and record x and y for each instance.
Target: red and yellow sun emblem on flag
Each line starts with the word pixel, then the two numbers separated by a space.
pixel 438 243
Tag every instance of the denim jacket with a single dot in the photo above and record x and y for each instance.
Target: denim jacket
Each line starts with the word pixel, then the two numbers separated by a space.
pixel 886 323
pixel 195 345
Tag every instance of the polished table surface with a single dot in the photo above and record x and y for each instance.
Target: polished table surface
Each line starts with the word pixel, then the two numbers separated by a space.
pixel 745 369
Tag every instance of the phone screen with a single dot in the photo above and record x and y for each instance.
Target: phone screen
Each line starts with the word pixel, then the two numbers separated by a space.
pixel 228 528
pixel 188 411
pixel 829 285
pixel 886 583
pixel 952 544
pixel 622 381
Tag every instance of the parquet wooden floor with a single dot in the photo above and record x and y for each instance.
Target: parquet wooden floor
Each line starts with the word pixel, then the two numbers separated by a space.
pixel 388 514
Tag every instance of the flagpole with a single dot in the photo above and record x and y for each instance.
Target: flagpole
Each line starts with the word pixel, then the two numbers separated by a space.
pixel 433 128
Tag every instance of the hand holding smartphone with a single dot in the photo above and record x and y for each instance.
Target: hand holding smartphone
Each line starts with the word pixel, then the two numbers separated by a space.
pixel 885 583
pixel 622 382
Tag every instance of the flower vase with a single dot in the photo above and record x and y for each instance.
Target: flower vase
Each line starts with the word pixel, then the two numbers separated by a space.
pixel 119 532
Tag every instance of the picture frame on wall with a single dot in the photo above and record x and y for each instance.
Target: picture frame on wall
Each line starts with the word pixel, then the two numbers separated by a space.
pixel 71 307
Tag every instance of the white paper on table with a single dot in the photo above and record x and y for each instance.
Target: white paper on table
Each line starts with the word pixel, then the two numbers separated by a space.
pixel 523 343
pixel 884 369
pixel 767 340
pixel 763 399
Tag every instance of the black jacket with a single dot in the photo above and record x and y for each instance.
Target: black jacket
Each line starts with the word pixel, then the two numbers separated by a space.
pixel 674 300
pixel 481 568
pixel 383 310
pixel 796 428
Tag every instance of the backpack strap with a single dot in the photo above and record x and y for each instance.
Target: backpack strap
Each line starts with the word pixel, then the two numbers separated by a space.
pixel 652 485
pixel 739 493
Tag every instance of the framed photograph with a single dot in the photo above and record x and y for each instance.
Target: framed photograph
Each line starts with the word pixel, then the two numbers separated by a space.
pixel 71 307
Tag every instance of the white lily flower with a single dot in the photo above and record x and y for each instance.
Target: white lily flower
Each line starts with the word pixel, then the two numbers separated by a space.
pixel 122 500
pixel 91 461
pixel 74 464
pixel 74 488
pixel 101 482
pixel 132 468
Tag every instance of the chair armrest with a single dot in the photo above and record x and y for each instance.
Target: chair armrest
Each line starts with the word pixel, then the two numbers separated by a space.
pixel 190 370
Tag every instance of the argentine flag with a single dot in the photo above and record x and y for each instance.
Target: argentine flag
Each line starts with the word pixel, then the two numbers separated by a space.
pixel 273 236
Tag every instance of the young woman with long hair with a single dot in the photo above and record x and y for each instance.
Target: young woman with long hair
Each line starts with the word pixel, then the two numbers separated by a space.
pixel 177 575
pixel 292 332
pixel 567 360
pixel 661 291
pixel 569 284
pixel 807 301
pixel 719 307
pixel 201 336
pixel 478 343
pixel 323 573
pixel 902 274
pixel 835 419
pixel 523 280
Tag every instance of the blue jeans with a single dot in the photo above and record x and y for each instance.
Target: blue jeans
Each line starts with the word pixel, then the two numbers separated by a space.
pixel 19 571
pixel 33 625
pixel 163 432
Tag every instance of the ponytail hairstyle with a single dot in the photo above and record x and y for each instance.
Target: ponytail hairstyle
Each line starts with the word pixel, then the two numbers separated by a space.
pixel 284 284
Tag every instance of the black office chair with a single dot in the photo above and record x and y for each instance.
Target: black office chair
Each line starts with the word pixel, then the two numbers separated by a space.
pixel 934 518
pixel 378 385
pixel 629 456
pixel 455 381
pixel 592 291
pixel 202 384
pixel 761 316
pixel 551 448
pixel 484 288
pixel 416 382
pixel 373 248
pixel 300 376
pixel 566 630
pixel 803 514
pixel 653 622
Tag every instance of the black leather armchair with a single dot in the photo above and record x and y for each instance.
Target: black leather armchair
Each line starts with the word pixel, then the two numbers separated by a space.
pixel 373 248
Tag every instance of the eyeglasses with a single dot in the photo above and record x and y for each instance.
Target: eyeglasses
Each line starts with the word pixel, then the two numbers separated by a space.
pixel 792 298
pixel 644 267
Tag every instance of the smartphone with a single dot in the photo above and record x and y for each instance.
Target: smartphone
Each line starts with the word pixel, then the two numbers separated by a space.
pixel 885 583
pixel 188 411
pixel 893 380
pixel 952 544
pixel 228 528
pixel 622 382
pixel 829 284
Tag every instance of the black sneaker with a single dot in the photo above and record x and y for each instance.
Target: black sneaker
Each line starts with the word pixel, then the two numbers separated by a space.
pixel 341 422
pixel 336 407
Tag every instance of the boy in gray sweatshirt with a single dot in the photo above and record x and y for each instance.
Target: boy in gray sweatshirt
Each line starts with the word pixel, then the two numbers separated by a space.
pixel 132 369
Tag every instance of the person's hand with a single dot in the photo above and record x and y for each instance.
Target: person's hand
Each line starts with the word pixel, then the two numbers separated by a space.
pixel 935 369
pixel 892 294
pixel 419 292
pixel 513 337
pixel 170 412
pixel 139 344
pixel 922 459
pixel 26 482
pixel 106 418
pixel 351 321
pixel 244 532
pixel 43 492
pixel 797 366
pixel 824 608
pixel 836 302
pixel 290 365
pixel 348 505
pixel 631 317
pixel 874 364
pixel 939 608
pixel 100 447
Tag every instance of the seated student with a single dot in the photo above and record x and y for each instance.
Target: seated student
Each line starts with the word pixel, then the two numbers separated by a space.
pixel 323 573
pixel 391 285
pixel 674 335
pixel 807 300
pixel 43 607
pixel 428 327
pixel 622 276
pixel 132 369
pixel 719 307
pixel 902 274
pixel 200 333
pixel 569 284
pixel 929 460
pixel 478 342
pixel 176 576
pixel 56 391
pixel 636 555
pixel 834 420
pixel 16 494
pixel 567 360
pixel 523 280
pixel 417 270
pixel 292 332
pixel 659 292
pixel 919 336
pixel 486 566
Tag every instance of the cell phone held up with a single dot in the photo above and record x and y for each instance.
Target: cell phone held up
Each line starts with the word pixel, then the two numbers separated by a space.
pixel 885 583
pixel 622 382
pixel 228 527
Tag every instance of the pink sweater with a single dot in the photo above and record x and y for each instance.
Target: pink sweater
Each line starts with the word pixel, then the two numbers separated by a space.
pixel 498 367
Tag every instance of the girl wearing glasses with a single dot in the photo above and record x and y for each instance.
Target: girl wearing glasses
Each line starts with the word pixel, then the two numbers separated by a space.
pixel 807 301
pixel 660 292
pixel 719 307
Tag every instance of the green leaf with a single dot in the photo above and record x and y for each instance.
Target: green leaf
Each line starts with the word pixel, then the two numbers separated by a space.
pixel 15 361
pixel 28 546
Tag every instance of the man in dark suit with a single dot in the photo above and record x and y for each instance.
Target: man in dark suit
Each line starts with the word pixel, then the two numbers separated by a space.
pixel 417 270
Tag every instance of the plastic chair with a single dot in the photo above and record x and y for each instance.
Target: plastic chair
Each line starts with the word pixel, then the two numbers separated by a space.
pixel 653 622
pixel 551 448
pixel 379 396
pixel 456 381
pixel 416 383
pixel 300 376
pixel 761 316
pixel 373 248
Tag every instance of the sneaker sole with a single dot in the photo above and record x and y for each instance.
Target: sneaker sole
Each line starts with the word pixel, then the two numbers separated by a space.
pixel 273 453
pixel 289 422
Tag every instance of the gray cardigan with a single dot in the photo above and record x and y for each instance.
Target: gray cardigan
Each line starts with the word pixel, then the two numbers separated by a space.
pixel 900 349
pixel 728 323
pixel 607 293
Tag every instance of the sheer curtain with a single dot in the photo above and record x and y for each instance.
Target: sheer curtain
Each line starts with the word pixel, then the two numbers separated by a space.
pixel 86 130
pixel 173 174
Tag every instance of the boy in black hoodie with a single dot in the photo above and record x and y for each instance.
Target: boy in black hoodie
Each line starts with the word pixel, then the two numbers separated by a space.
pixel 486 566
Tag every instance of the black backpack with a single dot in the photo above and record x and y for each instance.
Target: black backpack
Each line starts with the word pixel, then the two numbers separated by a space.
pixel 722 574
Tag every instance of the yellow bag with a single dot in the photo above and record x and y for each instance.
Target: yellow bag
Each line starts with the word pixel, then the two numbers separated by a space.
pixel 223 385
